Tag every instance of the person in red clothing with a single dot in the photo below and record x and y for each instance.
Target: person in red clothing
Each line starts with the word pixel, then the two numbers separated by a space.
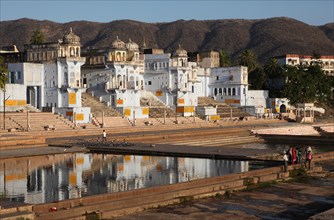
pixel 294 155
pixel 308 159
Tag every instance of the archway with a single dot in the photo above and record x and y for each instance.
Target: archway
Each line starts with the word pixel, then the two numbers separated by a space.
pixel 282 109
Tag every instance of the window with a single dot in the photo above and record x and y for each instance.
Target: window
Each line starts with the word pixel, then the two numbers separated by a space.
pixel 233 91
pixel 19 75
pixel 149 83
pixel 217 77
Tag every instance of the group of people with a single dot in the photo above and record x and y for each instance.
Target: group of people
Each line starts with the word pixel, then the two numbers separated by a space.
pixel 295 156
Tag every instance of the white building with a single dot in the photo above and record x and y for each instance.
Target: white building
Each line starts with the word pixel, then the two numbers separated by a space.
pixel 50 79
pixel 173 80
pixel 127 76
pixel 326 62
pixel 120 82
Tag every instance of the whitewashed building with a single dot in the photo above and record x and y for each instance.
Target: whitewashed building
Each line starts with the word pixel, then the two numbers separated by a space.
pixel 326 62
pixel 173 80
pixel 50 79
pixel 120 81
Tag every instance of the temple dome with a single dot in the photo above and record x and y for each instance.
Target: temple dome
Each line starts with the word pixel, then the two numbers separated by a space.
pixel 71 38
pixel 118 44
pixel 180 52
pixel 132 46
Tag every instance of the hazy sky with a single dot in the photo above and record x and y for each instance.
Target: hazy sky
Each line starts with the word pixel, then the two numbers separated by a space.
pixel 314 12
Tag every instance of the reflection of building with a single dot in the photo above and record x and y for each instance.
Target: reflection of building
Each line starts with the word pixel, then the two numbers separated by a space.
pixel 43 179
pixel 48 179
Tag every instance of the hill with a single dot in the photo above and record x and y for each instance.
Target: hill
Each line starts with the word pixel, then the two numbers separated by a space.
pixel 266 37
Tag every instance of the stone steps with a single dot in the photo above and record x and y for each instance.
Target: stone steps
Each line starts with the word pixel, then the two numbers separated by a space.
pixel 38 121
pixel 16 212
pixel 97 107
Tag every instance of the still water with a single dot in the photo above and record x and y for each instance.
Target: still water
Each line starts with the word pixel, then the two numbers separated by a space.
pixel 52 178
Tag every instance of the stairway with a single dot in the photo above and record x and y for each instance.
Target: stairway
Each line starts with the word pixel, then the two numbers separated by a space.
pixel 156 106
pixel 98 107
pixel 223 109
pixel 17 211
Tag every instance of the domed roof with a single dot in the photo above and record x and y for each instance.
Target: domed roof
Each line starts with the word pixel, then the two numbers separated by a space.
pixel 132 46
pixel 71 38
pixel 180 52
pixel 118 44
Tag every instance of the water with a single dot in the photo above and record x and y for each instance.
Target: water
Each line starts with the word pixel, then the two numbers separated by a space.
pixel 52 178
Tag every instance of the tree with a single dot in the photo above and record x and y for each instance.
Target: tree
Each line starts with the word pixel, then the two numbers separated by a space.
pixel 275 78
pixel 225 59
pixel 273 69
pixel 3 74
pixel 37 37
pixel 257 79
pixel 308 84
pixel 315 59
pixel 248 58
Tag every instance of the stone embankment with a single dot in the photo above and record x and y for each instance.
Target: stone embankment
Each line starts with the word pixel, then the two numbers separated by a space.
pixel 303 134
pixel 122 203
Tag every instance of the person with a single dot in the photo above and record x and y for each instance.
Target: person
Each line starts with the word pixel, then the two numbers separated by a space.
pixel 309 148
pixel 104 136
pixel 290 155
pixel 299 154
pixel 308 159
pixel 286 160
pixel 294 155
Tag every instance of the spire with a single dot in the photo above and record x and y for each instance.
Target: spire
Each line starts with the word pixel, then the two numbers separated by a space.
pixel 144 42
pixel 71 30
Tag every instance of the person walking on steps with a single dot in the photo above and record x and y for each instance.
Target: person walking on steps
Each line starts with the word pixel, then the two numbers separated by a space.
pixel 104 136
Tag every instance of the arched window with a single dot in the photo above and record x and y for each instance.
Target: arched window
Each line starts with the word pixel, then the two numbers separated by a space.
pixel 119 80
pixel 118 56
pixel 233 91
pixel 224 91
pixel 215 91
pixel 220 91
pixel 229 91
pixel 77 52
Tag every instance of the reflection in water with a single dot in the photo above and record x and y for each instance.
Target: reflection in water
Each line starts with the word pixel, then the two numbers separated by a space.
pixel 52 178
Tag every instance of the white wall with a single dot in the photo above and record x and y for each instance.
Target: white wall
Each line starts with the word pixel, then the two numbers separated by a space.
pixel 14 92
pixel 257 98
pixel 74 111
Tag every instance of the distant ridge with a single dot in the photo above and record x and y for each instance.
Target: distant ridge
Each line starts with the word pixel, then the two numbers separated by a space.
pixel 266 37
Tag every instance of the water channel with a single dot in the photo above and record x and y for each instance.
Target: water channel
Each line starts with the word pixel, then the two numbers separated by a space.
pixel 52 178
